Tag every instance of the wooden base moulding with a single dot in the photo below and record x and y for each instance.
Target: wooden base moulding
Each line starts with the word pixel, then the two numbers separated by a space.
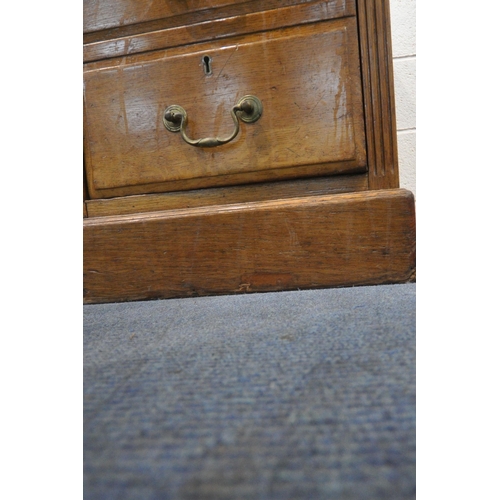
pixel 287 244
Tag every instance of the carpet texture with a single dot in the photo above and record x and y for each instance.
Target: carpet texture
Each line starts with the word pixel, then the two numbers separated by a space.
pixel 289 395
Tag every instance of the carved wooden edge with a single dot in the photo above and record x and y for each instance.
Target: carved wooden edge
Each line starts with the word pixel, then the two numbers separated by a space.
pixel 300 243
pixel 251 178
pixel 85 192
pixel 227 195
pixel 378 91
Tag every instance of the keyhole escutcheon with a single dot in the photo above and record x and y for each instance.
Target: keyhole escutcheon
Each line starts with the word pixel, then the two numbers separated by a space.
pixel 207 65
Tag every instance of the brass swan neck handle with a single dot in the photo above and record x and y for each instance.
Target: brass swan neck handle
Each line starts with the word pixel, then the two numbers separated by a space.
pixel 248 109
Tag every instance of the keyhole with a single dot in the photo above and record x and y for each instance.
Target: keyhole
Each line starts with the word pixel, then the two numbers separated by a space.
pixel 207 65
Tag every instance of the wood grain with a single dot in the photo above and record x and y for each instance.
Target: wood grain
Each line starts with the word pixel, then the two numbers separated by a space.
pixel 210 24
pixel 105 14
pixel 378 93
pixel 227 195
pixel 306 242
pixel 307 78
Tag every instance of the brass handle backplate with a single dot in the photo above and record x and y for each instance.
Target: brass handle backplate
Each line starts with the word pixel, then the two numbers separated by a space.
pixel 248 109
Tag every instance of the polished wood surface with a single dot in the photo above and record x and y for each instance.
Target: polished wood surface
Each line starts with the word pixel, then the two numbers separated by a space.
pixel 212 24
pixel 105 14
pixel 307 242
pixel 226 195
pixel 307 78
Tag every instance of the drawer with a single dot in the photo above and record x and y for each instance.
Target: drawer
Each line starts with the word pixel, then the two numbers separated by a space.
pixel 105 14
pixel 136 16
pixel 307 79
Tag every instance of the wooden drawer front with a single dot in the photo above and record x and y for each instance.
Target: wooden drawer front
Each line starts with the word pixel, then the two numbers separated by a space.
pixel 104 14
pixel 308 80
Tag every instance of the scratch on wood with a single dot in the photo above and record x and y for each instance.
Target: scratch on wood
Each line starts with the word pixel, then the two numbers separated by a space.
pixel 294 240
pixel 123 109
pixel 228 59
pixel 320 99
pixel 292 151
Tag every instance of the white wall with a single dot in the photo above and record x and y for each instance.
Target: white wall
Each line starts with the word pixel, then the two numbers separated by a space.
pixel 404 51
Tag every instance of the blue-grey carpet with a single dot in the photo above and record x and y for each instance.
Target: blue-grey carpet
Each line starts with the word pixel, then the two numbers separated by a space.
pixel 289 395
